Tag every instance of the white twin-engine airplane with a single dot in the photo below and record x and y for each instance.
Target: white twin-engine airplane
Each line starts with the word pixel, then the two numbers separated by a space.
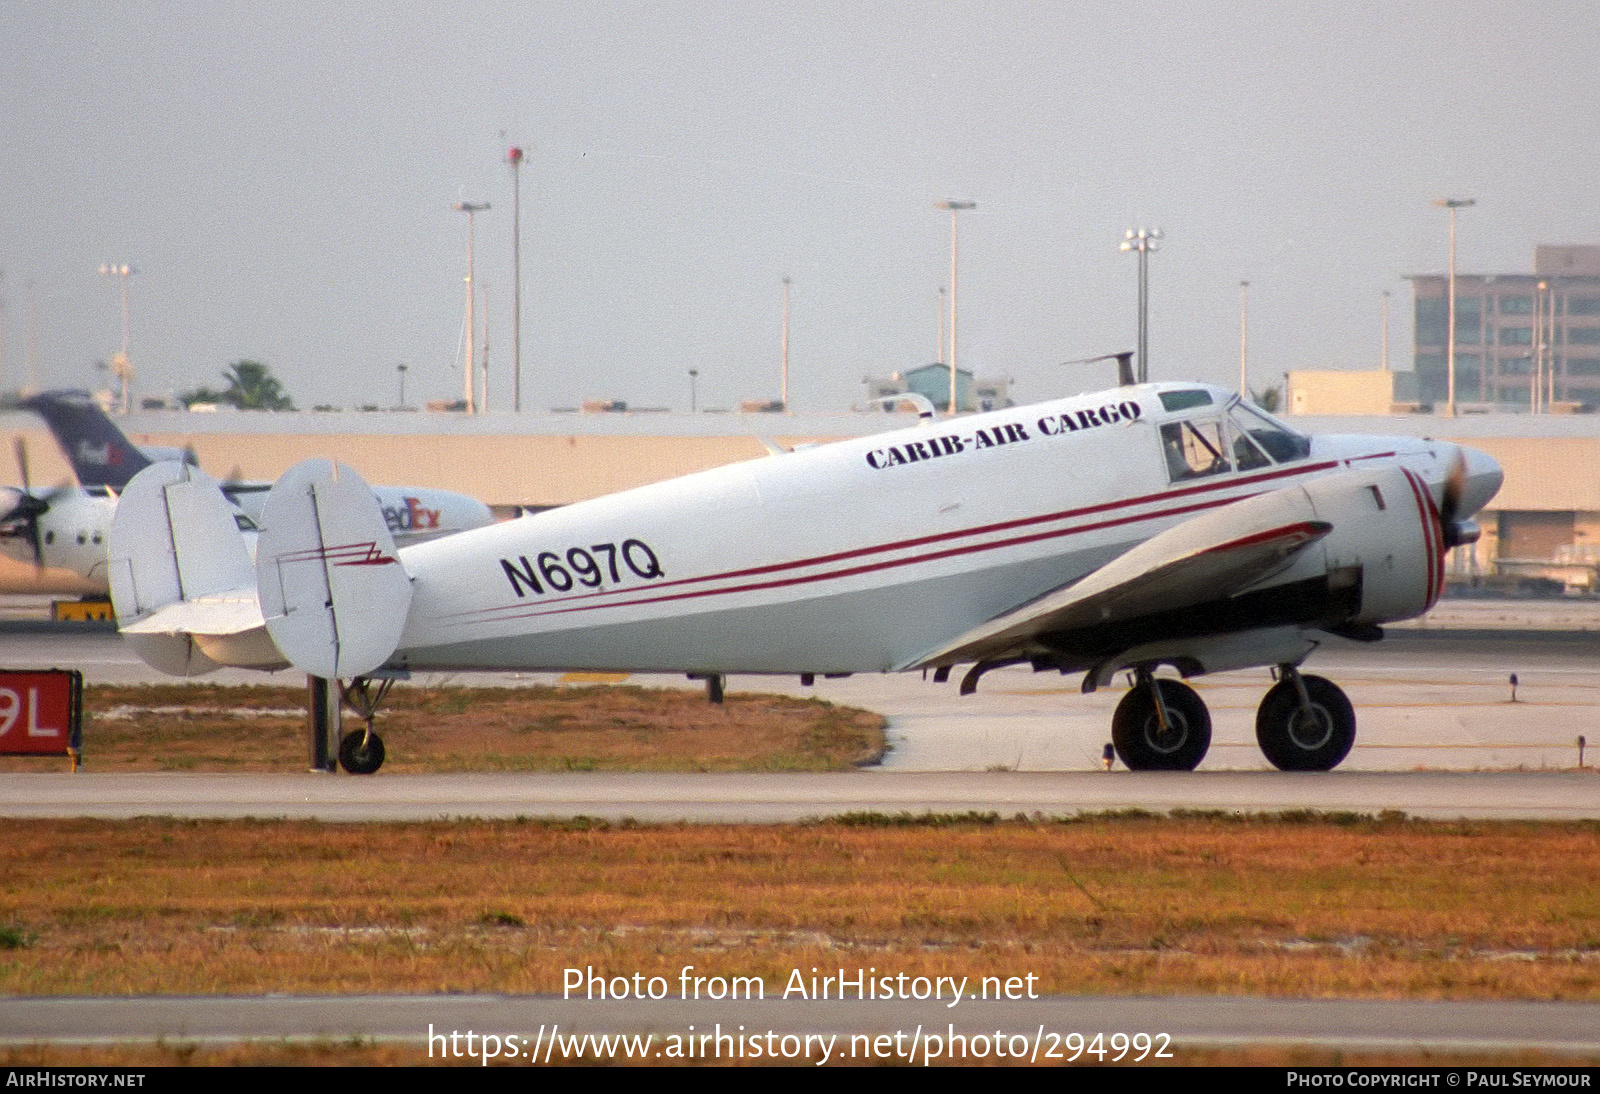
pixel 1144 526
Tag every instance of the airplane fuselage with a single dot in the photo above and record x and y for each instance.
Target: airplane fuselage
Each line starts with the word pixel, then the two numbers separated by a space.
pixel 861 555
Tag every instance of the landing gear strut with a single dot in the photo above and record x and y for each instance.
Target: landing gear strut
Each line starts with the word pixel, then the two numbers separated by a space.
pixel 1305 723
pixel 1161 725
pixel 361 750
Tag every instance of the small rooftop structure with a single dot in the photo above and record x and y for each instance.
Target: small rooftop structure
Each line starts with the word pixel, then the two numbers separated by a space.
pixel 932 382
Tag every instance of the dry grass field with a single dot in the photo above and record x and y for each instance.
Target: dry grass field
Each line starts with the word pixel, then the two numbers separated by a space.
pixel 1297 906
pixel 190 727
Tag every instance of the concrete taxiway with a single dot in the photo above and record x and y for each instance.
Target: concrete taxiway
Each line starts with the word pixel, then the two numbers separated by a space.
pixel 739 799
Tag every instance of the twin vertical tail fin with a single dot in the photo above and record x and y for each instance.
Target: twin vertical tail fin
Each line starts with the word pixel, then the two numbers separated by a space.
pixel 179 569
pixel 329 580
pixel 325 592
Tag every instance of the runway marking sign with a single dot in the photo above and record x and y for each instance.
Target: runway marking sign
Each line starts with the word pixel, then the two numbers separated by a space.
pixel 41 713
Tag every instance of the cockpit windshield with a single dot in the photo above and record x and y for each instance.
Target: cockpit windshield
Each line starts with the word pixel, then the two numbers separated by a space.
pixel 1239 438
pixel 1275 439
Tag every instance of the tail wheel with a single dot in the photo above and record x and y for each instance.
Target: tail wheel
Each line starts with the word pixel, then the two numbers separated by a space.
pixel 1295 738
pixel 361 752
pixel 1144 744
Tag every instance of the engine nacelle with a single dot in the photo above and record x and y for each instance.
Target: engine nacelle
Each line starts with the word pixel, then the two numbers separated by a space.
pixel 1387 540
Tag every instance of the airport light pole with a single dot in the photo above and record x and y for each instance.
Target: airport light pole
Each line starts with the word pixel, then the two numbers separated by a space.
pixel 1385 341
pixel 1244 340
pixel 1452 204
pixel 954 207
pixel 514 157
pixel 122 271
pixel 472 209
pixel 694 375
pixel 401 369
pixel 1143 241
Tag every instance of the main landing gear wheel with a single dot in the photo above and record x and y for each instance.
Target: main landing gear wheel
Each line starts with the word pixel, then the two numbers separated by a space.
pixel 361 752
pixel 1311 735
pixel 1145 744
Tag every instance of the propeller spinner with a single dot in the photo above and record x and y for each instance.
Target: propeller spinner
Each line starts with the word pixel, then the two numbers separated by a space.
pixel 23 508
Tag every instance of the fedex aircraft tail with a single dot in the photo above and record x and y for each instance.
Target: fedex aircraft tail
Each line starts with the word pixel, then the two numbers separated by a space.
pixel 325 591
pixel 99 453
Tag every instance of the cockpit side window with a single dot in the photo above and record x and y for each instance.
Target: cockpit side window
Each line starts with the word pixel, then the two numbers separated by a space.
pixel 1276 439
pixel 1194 450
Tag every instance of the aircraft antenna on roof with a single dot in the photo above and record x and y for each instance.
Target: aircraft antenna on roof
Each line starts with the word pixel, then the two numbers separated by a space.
pixel 1124 360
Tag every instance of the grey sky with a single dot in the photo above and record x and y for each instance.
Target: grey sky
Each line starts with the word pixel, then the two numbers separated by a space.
pixel 282 175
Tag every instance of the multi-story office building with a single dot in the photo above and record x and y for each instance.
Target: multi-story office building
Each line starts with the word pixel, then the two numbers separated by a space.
pixel 1528 339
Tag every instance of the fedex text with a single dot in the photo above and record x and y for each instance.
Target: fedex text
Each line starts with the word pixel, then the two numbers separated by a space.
pixel 413 516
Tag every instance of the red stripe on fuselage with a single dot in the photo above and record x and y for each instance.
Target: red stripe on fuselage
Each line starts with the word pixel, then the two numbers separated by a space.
pixel 548 606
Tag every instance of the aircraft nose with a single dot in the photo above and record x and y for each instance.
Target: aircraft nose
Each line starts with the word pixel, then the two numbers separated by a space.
pixel 1483 480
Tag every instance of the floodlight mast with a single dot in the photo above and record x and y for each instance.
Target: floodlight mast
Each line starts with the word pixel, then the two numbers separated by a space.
pixel 471 209
pixel 514 157
pixel 124 371
pixel 954 207
pixel 1143 241
pixel 1452 204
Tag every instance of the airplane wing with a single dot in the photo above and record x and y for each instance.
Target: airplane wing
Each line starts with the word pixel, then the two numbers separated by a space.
pixel 1203 560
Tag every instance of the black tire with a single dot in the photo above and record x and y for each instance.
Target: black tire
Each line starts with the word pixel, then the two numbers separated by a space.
pixel 1294 742
pixel 1136 729
pixel 361 753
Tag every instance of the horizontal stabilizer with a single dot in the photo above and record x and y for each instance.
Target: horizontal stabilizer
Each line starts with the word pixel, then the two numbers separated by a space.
pixel 174 544
pixel 219 614
pixel 332 589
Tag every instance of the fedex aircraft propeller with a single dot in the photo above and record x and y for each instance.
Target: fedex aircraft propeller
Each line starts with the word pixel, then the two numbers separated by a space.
pixel 63 532
pixel 1145 527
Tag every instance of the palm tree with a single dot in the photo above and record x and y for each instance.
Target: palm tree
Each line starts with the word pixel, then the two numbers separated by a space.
pixel 251 386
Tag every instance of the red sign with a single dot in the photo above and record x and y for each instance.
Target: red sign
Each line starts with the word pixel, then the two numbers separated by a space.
pixel 41 712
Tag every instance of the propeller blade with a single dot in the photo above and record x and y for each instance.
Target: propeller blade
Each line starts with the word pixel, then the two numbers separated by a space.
pixel 20 448
pixel 1455 487
pixel 33 541
pixel 1455 530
